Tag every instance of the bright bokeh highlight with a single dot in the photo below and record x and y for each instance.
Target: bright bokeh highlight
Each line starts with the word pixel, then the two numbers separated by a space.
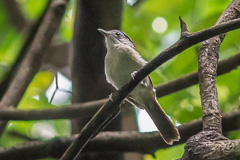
pixel 159 25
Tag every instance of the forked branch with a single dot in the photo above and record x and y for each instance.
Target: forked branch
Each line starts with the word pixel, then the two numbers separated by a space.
pixel 93 127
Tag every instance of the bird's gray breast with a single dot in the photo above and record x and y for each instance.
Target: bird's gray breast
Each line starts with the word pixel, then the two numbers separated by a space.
pixel 119 66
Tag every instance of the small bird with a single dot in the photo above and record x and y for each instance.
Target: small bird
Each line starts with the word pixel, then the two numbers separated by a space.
pixel 121 63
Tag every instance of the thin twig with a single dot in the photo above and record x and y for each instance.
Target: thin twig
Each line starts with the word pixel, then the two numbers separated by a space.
pixel 55 91
pixel 87 109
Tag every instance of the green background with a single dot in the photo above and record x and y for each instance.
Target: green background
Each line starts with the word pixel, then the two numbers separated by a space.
pixel 183 106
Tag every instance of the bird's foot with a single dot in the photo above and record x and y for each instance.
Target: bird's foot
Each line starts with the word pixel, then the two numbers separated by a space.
pixel 133 74
pixel 110 97
pixel 154 90
pixel 143 83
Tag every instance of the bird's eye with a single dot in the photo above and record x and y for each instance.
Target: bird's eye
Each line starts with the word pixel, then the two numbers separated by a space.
pixel 117 34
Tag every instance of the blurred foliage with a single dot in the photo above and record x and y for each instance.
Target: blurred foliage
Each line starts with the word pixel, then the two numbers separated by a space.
pixel 183 106
pixel 198 14
pixel 32 9
pixel 35 97
pixel 167 154
pixel 66 28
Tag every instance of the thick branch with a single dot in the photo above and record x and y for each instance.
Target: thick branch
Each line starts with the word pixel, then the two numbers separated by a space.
pixel 33 59
pixel 210 143
pixel 146 143
pixel 93 127
pixel 207 62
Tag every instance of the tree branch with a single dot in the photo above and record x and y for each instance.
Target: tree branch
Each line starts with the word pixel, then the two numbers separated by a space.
pixel 210 143
pixel 33 59
pixel 112 106
pixel 208 60
pixel 88 109
pixel 125 141
pixel 224 66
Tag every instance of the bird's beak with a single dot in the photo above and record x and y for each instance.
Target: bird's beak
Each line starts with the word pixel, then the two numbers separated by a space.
pixel 105 33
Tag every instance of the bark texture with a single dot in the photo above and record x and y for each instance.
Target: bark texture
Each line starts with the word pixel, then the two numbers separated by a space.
pixel 210 143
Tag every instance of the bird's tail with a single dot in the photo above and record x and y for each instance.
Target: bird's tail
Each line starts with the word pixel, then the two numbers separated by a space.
pixel 167 130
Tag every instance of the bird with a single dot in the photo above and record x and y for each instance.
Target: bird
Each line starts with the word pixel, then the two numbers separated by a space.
pixel 121 63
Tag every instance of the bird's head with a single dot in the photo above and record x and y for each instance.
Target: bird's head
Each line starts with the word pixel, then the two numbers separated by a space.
pixel 113 37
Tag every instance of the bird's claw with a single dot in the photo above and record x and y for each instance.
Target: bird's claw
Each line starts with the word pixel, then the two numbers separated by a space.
pixel 133 75
pixel 143 83
pixel 154 90
pixel 110 97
